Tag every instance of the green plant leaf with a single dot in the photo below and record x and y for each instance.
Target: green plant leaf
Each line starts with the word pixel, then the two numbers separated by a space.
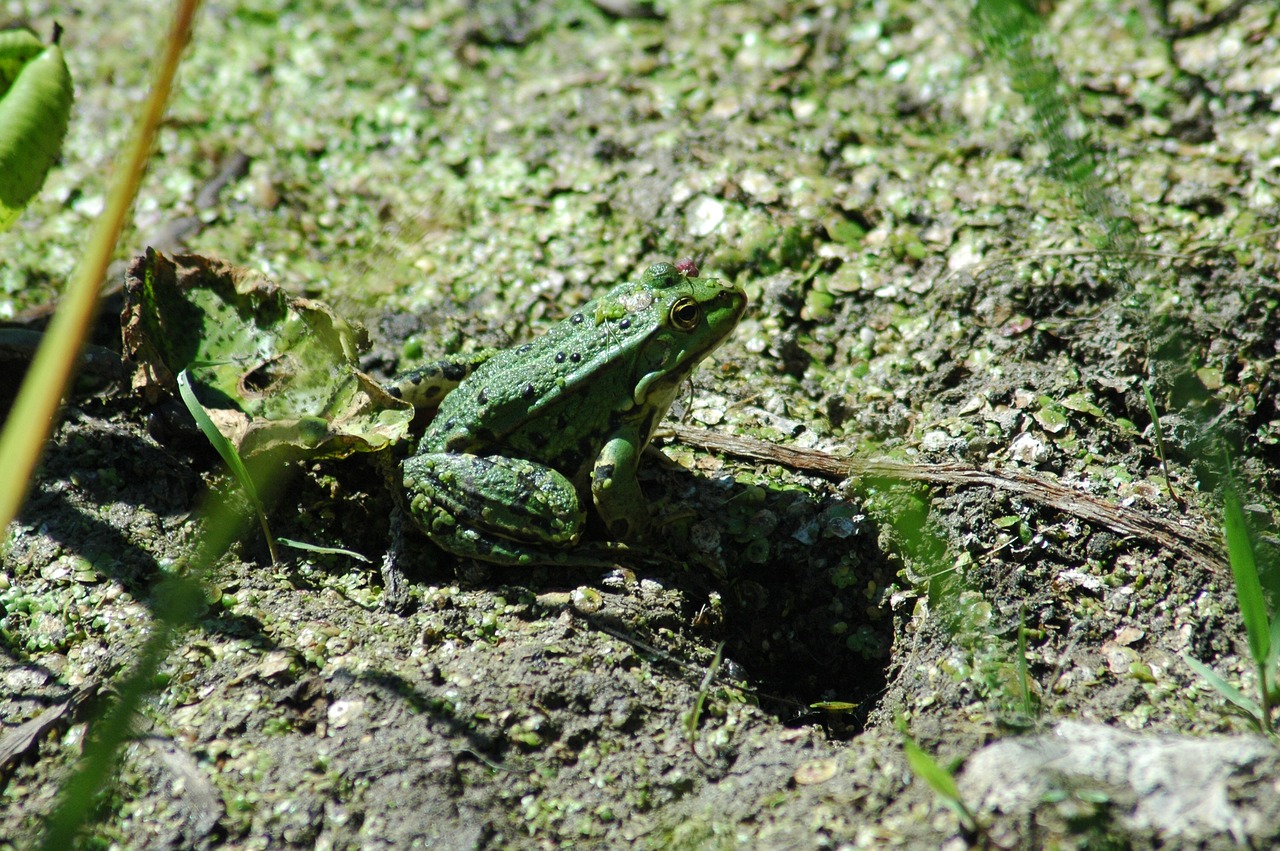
pixel 1050 416
pixel 834 706
pixel 35 107
pixel 1081 403
pixel 17 48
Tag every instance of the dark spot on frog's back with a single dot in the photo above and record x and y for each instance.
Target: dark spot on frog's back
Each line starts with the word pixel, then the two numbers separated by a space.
pixel 525 348
pixel 559 357
pixel 455 371
pixel 528 392
pixel 624 324
pixel 575 357
pixel 483 396
pixel 576 319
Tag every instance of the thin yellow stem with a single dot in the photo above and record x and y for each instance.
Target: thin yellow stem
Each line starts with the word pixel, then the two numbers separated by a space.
pixel 28 426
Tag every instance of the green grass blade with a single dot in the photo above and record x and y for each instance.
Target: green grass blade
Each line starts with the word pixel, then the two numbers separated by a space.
pixel 316 548
pixel 28 426
pixel 177 602
pixel 1244 567
pixel 1011 30
pixel 927 769
pixel 216 438
pixel 1275 645
pixel 695 714
pixel 229 455
pixel 1225 688
pixel 1030 705
pixel 1159 431
pixel 940 781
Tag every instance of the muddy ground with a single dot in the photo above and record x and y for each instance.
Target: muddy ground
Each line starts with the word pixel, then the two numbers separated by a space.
pixel 928 290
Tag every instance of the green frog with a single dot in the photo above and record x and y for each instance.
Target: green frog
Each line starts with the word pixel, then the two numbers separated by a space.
pixel 526 438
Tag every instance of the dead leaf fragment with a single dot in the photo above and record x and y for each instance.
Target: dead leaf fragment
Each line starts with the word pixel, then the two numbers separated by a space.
pixel 274 372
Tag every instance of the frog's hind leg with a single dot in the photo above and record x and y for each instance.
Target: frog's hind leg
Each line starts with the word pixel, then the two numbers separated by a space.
pixel 499 509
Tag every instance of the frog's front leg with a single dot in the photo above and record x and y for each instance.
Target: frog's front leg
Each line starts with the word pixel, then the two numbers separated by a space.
pixel 617 495
pixel 498 509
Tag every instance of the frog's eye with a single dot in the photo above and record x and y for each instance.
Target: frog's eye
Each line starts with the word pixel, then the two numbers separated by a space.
pixel 685 314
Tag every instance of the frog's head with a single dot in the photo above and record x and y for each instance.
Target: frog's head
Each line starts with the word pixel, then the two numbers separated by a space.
pixel 693 317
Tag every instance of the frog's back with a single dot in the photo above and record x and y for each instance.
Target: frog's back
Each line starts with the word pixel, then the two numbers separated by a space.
pixel 545 399
pixel 609 370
